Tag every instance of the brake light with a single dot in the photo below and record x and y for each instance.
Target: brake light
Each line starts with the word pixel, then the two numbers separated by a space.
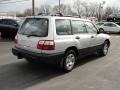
pixel 46 45
pixel 16 39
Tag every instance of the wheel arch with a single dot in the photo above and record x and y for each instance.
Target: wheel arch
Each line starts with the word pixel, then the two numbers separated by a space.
pixel 72 48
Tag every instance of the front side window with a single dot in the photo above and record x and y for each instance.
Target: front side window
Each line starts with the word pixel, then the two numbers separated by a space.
pixel 35 26
pixel 90 27
pixel 63 27
pixel 78 27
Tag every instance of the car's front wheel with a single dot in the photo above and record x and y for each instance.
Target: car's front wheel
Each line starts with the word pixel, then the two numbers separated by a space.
pixel 104 50
pixel 69 60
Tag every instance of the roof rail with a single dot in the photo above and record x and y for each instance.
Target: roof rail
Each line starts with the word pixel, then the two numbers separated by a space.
pixel 58 14
pixel 73 16
pixel 46 14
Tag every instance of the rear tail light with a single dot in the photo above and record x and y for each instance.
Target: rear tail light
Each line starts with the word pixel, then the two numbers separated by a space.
pixel 16 39
pixel 46 45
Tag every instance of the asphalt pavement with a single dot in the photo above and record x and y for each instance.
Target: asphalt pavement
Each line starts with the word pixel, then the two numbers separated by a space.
pixel 91 73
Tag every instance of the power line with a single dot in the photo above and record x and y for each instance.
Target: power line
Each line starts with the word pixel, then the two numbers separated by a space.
pixel 14 1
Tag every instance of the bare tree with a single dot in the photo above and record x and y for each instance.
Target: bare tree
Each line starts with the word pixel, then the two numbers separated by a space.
pixel 69 11
pixel 63 8
pixel 27 12
pixel 108 11
pixel 116 10
pixel 45 9
pixel 94 9
pixel 86 8
pixel 78 7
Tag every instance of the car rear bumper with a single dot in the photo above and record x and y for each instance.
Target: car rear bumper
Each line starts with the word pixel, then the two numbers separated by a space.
pixel 21 53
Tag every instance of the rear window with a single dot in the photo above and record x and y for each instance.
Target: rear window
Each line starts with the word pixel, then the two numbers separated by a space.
pixel 35 27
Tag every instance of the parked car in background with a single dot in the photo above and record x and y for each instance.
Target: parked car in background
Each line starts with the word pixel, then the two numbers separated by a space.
pixel 99 23
pixel 109 27
pixel 8 28
pixel 113 17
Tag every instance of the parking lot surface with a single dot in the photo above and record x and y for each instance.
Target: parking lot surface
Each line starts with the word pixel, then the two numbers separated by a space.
pixel 91 73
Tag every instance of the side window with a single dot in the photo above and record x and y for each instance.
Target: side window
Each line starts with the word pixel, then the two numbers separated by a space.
pixel 13 23
pixel 63 27
pixel 110 25
pixel 78 27
pixel 107 24
pixel 5 22
pixel 113 25
pixel 90 28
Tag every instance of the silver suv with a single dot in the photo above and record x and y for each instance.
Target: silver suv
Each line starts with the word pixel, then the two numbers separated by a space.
pixel 59 39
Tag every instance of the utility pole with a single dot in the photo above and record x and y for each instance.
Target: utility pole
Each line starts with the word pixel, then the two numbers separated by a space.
pixel 59 6
pixel 33 7
pixel 101 11
pixel 99 17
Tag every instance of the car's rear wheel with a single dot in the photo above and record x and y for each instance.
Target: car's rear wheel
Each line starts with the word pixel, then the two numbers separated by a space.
pixel 104 50
pixel 69 60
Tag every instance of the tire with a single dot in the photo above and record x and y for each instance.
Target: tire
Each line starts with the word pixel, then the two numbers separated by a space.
pixel 102 30
pixel 104 50
pixel 69 60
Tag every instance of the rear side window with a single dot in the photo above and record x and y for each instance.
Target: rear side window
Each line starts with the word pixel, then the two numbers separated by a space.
pixel 78 27
pixel 63 27
pixel 35 27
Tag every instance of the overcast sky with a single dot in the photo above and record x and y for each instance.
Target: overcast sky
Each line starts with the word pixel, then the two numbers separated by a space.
pixel 20 6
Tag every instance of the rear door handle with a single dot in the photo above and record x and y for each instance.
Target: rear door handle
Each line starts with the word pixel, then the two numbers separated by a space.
pixel 77 37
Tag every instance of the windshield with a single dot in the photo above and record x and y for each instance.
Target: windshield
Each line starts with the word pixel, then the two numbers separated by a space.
pixel 34 27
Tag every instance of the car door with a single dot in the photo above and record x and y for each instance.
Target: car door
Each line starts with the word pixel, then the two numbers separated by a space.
pixel 95 39
pixel 81 35
pixel 114 28
pixel 110 27
pixel 106 27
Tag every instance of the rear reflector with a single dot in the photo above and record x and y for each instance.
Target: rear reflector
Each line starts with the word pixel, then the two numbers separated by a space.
pixel 46 45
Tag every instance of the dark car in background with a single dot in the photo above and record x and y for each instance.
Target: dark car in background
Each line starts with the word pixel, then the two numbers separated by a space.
pixel 113 17
pixel 8 28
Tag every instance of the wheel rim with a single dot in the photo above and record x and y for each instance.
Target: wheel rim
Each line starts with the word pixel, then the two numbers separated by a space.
pixel 70 61
pixel 105 49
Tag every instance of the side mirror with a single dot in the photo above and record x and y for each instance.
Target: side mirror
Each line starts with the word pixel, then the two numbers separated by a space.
pixel 101 30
